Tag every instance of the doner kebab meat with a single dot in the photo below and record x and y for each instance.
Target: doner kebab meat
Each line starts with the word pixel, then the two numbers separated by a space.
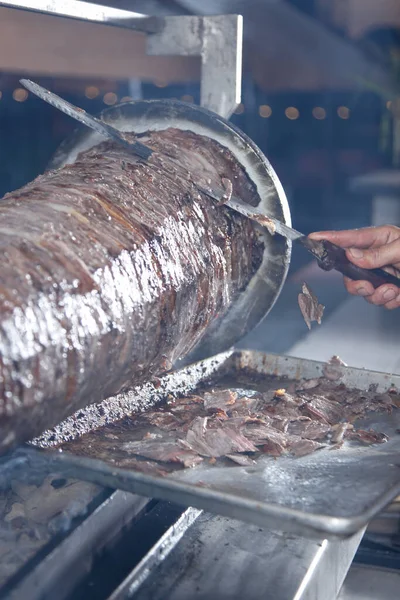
pixel 112 269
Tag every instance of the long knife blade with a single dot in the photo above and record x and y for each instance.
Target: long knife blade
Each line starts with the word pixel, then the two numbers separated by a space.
pixel 254 213
pixel 328 255
pixel 82 116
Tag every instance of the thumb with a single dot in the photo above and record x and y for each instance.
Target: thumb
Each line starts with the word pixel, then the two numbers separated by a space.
pixel 373 258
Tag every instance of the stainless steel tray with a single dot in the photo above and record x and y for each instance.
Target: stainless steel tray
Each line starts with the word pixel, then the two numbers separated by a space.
pixel 334 493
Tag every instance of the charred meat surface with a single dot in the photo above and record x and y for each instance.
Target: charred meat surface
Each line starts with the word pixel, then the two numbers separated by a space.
pixel 310 308
pixel 112 269
pixel 236 426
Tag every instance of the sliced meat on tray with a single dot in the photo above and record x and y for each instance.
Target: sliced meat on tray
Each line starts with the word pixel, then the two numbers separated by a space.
pixel 300 447
pixel 238 425
pixel 309 429
pixel 216 441
pixel 163 451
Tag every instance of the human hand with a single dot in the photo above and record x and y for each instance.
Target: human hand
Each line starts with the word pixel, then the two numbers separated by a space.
pixel 370 248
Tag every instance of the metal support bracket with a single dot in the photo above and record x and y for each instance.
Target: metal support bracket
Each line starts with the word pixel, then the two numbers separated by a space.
pixel 217 40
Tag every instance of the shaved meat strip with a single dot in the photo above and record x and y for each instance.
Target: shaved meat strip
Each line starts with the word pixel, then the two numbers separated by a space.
pixel 216 442
pixel 309 429
pixel 242 459
pixel 163 452
pixel 309 306
pixel 302 447
pixel 220 400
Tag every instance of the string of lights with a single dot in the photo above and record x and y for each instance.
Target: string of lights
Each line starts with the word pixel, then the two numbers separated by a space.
pixel 265 111
pixel 292 113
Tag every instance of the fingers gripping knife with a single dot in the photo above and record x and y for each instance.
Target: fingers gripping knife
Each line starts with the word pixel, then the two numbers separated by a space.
pixel 328 255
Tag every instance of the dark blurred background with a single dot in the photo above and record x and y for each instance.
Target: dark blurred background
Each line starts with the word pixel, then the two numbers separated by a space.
pixel 320 112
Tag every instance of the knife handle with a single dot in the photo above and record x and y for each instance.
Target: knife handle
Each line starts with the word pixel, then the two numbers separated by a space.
pixel 335 257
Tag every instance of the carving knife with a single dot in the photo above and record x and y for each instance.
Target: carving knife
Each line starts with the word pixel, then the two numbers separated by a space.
pixel 328 255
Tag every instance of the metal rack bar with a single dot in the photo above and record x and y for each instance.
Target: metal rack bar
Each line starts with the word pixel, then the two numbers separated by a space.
pixel 217 40
pixel 225 559
pixel 94 13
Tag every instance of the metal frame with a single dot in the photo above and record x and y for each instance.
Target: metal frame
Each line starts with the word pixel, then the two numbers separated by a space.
pixel 58 573
pixel 217 40
pixel 272 564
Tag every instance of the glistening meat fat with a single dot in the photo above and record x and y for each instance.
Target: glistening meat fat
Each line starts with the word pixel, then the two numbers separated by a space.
pixel 111 270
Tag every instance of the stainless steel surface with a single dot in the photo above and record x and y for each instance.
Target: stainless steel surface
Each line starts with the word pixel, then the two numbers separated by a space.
pixel 218 41
pixel 263 219
pixel 370 583
pixel 58 573
pixel 257 299
pixel 86 11
pixel 330 493
pixel 157 555
pixel 224 559
pixel 200 556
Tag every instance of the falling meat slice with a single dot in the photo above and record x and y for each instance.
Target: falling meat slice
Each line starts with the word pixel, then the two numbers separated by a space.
pixel 228 187
pixel 338 432
pixel 163 420
pixel 245 406
pixel 272 448
pixel 270 440
pixel 216 442
pixel 227 401
pixel 286 406
pixel 307 384
pixel 166 452
pixel 309 306
pixel 184 403
pixel 280 423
